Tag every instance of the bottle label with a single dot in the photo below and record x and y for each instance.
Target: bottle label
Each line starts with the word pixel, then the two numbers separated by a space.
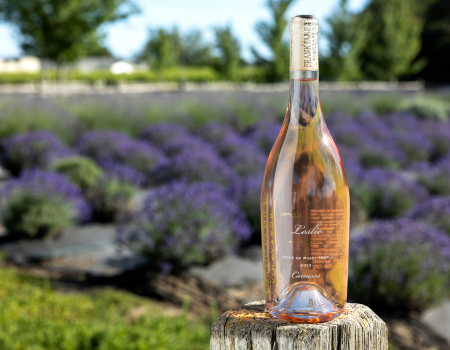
pixel 304 44
pixel 328 247
pixel 327 234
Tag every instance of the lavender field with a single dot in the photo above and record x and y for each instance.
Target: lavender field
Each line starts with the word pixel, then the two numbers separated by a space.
pixel 197 159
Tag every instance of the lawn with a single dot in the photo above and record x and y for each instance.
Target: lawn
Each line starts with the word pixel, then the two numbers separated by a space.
pixel 34 316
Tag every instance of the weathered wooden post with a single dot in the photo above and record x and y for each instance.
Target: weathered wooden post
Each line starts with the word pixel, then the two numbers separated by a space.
pixel 252 328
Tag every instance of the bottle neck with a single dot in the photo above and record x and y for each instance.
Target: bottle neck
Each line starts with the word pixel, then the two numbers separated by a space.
pixel 304 103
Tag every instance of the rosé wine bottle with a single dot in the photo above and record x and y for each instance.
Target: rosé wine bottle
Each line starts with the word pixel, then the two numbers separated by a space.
pixel 305 200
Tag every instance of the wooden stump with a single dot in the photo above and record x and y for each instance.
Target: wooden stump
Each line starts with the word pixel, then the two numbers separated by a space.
pixel 252 328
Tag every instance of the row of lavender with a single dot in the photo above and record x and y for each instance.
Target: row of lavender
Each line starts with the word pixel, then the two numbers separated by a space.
pixel 204 192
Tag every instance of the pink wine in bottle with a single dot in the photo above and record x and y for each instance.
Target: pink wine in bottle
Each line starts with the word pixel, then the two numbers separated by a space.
pixel 305 200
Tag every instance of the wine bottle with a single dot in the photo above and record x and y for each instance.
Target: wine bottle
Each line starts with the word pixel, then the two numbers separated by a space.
pixel 305 200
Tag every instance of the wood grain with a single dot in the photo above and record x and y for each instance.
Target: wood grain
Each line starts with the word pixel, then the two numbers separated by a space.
pixel 250 327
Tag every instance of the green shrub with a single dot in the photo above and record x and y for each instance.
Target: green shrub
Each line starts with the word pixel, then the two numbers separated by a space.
pixel 27 215
pixel 18 118
pixel 382 104
pixel 103 320
pixel 110 199
pixel 428 108
pixel 341 103
pixel 41 203
pixel 246 114
pixel 82 171
pixel 201 114
pixel 96 116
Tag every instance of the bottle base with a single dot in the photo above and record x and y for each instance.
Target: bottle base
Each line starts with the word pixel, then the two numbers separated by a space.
pixel 305 303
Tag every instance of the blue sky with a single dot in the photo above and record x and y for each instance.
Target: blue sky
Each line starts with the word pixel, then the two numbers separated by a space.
pixel 126 38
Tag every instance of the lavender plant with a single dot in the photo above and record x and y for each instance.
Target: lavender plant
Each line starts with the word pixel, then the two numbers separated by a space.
pixel 185 224
pixel 113 146
pixel 122 173
pixel 41 204
pixel 264 134
pixel 32 150
pixel 435 177
pixel 232 144
pixel 247 162
pixel 158 134
pixel 214 132
pixel 198 167
pixel 385 193
pixel 399 265
pixel 435 211
pixel 187 144
pixel 249 200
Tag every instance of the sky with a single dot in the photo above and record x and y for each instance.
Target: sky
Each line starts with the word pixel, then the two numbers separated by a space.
pixel 126 38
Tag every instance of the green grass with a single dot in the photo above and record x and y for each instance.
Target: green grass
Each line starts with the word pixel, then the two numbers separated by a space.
pixel 15 118
pixel 172 74
pixel 35 317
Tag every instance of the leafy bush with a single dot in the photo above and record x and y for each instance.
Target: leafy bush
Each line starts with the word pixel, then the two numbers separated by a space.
pixel 113 146
pixel 385 193
pixel 83 172
pixel 103 319
pixel 184 224
pixel 32 150
pixel 111 199
pixel 436 211
pixel 41 203
pixel 428 108
pixel 382 104
pixel 399 265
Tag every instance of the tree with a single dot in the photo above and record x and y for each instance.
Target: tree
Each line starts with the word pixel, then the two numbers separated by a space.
pixel 271 34
pixel 386 40
pixel 436 41
pixel 167 47
pixel 194 50
pixel 62 31
pixel 229 59
pixel 162 49
pixel 337 65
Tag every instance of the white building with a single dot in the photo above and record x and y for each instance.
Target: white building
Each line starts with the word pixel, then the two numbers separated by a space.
pixel 122 67
pixel 25 64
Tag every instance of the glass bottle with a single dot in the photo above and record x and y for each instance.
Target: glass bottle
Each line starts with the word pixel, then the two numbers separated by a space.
pixel 305 200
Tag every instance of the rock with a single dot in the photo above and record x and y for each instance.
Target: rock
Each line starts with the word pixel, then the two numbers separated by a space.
pixel 438 318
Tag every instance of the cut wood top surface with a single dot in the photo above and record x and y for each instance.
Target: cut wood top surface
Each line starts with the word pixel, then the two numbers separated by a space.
pixel 252 328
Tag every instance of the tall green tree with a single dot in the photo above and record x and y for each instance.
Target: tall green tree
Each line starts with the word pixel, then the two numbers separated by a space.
pixel 62 31
pixel 436 41
pixel 168 47
pixel 337 64
pixel 271 34
pixel 229 50
pixel 386 40
pixel 162 48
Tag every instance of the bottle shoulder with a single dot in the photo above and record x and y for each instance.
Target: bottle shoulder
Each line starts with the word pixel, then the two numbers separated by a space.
pixel 308 157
